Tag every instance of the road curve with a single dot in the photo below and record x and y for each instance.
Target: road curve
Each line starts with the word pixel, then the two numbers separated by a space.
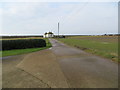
pixel 83 70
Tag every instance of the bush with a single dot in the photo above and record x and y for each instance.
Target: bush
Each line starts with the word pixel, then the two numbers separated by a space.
pixel 22 44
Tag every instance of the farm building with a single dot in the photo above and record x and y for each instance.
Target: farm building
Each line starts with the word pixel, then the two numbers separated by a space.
pixel 48 35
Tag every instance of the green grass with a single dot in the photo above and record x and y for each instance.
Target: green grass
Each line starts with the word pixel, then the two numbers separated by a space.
pixel 105 49
pixel 24 51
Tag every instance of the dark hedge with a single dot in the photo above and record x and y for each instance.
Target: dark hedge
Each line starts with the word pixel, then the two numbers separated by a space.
pixel 22 44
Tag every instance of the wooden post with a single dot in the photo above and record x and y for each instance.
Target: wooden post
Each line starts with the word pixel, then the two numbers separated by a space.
pixel 58 29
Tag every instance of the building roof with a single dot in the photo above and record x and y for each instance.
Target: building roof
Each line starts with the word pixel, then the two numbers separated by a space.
pixel 48 33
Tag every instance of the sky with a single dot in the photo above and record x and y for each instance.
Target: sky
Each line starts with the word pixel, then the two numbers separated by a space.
pixel 75 18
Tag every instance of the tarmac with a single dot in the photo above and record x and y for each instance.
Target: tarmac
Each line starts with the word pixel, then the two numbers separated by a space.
pixel 60 66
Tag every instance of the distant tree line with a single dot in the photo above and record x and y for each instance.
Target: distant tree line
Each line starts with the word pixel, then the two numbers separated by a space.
pixel 60 36
pixel 111 35
pixel 19 36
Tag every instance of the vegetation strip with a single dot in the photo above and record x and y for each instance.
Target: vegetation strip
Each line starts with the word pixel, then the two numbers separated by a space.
pixel 22 44
pixel 95 45
pixel 24 51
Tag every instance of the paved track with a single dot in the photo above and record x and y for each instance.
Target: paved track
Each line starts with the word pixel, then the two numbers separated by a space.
pixel 13 77
pixel 83 70
pixel 61 66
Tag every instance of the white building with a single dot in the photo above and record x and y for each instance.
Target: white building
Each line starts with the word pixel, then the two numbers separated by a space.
pixel 48 35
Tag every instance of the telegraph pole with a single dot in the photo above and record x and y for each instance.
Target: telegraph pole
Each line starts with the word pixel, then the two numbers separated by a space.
pixel 58 29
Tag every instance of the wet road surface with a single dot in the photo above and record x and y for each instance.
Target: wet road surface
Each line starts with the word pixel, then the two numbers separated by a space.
pixel 61 66
pixel 83 70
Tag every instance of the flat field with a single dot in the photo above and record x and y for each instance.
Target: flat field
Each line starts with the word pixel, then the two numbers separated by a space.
pixel 105 46
pixel 23 51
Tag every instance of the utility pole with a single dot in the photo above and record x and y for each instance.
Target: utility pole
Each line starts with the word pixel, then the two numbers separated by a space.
pixel 58 29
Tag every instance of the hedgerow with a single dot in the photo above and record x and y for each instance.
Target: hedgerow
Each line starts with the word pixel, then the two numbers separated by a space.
pixel 22 44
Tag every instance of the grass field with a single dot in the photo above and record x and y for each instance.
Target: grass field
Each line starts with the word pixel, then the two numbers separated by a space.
pixel 105 46
pixel 23 51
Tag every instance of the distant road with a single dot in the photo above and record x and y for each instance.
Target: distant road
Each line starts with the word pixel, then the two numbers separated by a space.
pixel 83 70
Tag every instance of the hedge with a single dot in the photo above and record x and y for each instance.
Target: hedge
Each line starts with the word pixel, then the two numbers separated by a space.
pixel 22 44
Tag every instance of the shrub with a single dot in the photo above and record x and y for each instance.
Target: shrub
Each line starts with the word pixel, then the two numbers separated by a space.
pixel 22 44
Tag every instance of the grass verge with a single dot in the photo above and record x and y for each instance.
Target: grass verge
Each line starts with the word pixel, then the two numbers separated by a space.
pixel 105 49
pixel 24 51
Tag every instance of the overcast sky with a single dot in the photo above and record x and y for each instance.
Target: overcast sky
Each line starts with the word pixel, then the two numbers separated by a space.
pixel 35 18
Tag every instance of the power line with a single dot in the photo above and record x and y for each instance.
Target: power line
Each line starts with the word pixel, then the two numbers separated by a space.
pixel 75 11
